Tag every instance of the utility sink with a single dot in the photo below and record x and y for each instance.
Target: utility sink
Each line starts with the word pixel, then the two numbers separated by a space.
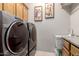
pixel 73 39
pixel 70 38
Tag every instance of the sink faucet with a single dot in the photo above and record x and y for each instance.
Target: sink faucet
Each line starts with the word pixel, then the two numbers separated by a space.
pixel 72 32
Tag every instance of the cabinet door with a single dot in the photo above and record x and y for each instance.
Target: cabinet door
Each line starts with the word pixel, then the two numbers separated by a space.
pixel 0 6
pixel 66 44
pixel 10 8
pixel 74 50
pixel 19 8
pixel 25 13
pixel 65 52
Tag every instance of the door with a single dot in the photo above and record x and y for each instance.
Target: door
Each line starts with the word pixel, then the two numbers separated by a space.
pixel 16 38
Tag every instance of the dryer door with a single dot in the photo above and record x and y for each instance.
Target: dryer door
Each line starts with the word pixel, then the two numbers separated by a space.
pixel 32 39
pixel 17 37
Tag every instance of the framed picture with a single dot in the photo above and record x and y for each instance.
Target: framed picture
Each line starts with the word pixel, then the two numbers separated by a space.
pixel 38 13
pixel 49 10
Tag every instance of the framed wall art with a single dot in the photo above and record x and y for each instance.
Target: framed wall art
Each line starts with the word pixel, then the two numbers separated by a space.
pixel 38 13
pixel 49 10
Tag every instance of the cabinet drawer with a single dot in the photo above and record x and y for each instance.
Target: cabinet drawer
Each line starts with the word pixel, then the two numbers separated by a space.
pixel 66 44
pixel 65 52
pixel 74 50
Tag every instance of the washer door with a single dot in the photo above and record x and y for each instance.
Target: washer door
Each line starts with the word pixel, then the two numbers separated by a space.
pixel 16 37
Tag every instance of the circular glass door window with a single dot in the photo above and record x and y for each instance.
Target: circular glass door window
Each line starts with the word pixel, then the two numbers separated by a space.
pixel 16 37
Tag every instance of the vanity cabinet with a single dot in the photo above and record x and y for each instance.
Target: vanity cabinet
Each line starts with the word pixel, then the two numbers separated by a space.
pixel 66 48
pixel 70 49
pixel 15 9
pixel 65 52
pixel 66 44
pixel 74 51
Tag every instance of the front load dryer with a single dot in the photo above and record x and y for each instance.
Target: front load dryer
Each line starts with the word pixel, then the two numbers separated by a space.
pixel 32 42
pixel 14 38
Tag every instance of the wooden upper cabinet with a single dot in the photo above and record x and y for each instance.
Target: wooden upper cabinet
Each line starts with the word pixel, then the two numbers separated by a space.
pixel 22 11
pixel 25 13
pixel 0 6
pixel 19 10
pixel 10 8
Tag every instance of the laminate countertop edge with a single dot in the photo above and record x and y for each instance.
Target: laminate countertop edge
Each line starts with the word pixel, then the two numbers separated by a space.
pixel 72 41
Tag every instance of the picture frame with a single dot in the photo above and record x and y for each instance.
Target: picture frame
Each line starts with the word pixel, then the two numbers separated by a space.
pixel 38 13
pixel 49 10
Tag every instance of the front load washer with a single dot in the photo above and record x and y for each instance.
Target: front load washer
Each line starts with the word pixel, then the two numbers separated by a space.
pixel 14 38
pixel 32 42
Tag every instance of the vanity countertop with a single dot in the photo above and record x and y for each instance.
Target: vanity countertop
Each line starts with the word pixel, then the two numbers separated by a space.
pixel 73 40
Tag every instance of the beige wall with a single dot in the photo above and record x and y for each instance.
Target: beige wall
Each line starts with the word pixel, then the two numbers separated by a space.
pixel 75 20
pixel 48 28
